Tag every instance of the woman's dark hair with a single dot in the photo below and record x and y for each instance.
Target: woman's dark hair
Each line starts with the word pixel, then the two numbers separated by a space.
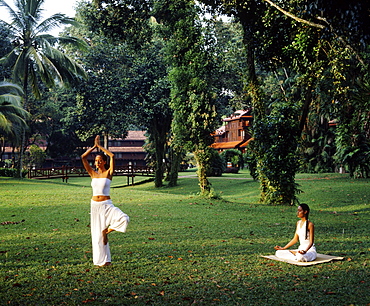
pixel 306 208
pixel 105 158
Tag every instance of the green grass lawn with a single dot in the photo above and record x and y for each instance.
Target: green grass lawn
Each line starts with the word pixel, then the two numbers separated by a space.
pixel 180 249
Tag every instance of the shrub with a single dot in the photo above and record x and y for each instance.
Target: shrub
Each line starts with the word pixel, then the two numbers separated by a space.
pixel 234 156
pixel 11 172
pixel 218 164
pixel 251 162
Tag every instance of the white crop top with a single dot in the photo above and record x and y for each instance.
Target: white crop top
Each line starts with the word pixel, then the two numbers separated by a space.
pixel 100 186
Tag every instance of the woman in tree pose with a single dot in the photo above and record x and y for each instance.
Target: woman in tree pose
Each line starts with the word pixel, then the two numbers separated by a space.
pixel 305 234
pixel 105 217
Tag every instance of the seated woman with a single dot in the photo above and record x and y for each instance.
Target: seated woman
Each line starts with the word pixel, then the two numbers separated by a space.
pixel 305 235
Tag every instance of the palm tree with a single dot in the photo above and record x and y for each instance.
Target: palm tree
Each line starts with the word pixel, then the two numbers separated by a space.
pixel 11 110
pixel 12 114
pixel 35 57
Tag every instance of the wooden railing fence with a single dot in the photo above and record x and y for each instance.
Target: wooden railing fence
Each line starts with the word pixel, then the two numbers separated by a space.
pixel 66 172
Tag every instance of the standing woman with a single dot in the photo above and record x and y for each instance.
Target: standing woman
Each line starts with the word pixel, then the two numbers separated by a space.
pixel 305 234
pixel 105 217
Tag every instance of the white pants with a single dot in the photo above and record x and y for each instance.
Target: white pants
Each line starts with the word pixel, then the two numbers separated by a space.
pixel 286 254
pixel 103 215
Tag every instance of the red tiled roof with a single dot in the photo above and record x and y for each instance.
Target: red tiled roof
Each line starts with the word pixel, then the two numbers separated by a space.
pixel 127 149
pixel 246 143
pixel 225 145
pixel 231 144
pixel 136 135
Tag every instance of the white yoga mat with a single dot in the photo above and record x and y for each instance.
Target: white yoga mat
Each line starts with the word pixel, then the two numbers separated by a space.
pixel 321 258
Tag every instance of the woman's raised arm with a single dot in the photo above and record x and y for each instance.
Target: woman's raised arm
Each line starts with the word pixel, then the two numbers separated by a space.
pixel 109 153
pixel 85 162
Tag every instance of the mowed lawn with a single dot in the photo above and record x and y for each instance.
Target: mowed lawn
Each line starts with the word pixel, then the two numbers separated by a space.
pixel 180 249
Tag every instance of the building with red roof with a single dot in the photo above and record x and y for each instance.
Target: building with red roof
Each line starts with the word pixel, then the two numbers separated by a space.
pixel 235 132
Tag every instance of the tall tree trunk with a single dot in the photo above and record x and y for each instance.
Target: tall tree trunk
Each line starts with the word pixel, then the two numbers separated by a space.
pixel 158 178
pixel 254 89
pixel 202 157
pixel 158 134
pixel 251 82
pixel 270 182
pixel 305 108
pixel 159 145
pixel 176 157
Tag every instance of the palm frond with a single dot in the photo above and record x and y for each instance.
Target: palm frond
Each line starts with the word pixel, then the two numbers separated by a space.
pixel 9 59
pixel 17 117
pixel 9 99
pixel 64 64
pixel 34 83
pixel 41 38
pixel 11 111
pixel 30 7
pixel 35 58
pixel 13 29
pixel 73 41
pixel 55 21
pixel 50 73
pixel 5 124
pixel 20 66
pixel 10 88
pixel 13 14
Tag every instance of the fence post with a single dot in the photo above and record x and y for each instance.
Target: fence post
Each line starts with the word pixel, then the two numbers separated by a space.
pixel 64 173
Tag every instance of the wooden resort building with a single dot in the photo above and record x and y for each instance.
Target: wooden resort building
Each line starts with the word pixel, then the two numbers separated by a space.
pixel 235 132
pixel 129 151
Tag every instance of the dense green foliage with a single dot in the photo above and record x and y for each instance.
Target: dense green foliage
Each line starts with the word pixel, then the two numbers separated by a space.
pixel 11 172
pixel 234 156
pixel 217 164
pixel 54 121
pixel 5 47
pixel 180 249
pixel 124 20
pixel 141 89
pixel 36 156
pixel 315 49
pixel 105 97
pixel 153 62
pixel 151 92
pixel 353 133
pixel 277 162
pixel 192 87
pixel 34 59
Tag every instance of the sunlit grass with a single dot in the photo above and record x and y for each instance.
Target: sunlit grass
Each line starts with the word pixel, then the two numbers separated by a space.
pixel 181 249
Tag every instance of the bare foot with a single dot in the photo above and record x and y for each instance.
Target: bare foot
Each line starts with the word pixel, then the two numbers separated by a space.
pixel 105 265
pixel 105 236
pixel 293 252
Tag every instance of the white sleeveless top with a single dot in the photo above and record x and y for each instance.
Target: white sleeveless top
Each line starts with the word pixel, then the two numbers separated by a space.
pixel 301 232
pixel 100 186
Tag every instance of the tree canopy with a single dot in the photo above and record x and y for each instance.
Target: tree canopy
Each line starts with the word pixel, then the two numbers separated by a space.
pixel 299 64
